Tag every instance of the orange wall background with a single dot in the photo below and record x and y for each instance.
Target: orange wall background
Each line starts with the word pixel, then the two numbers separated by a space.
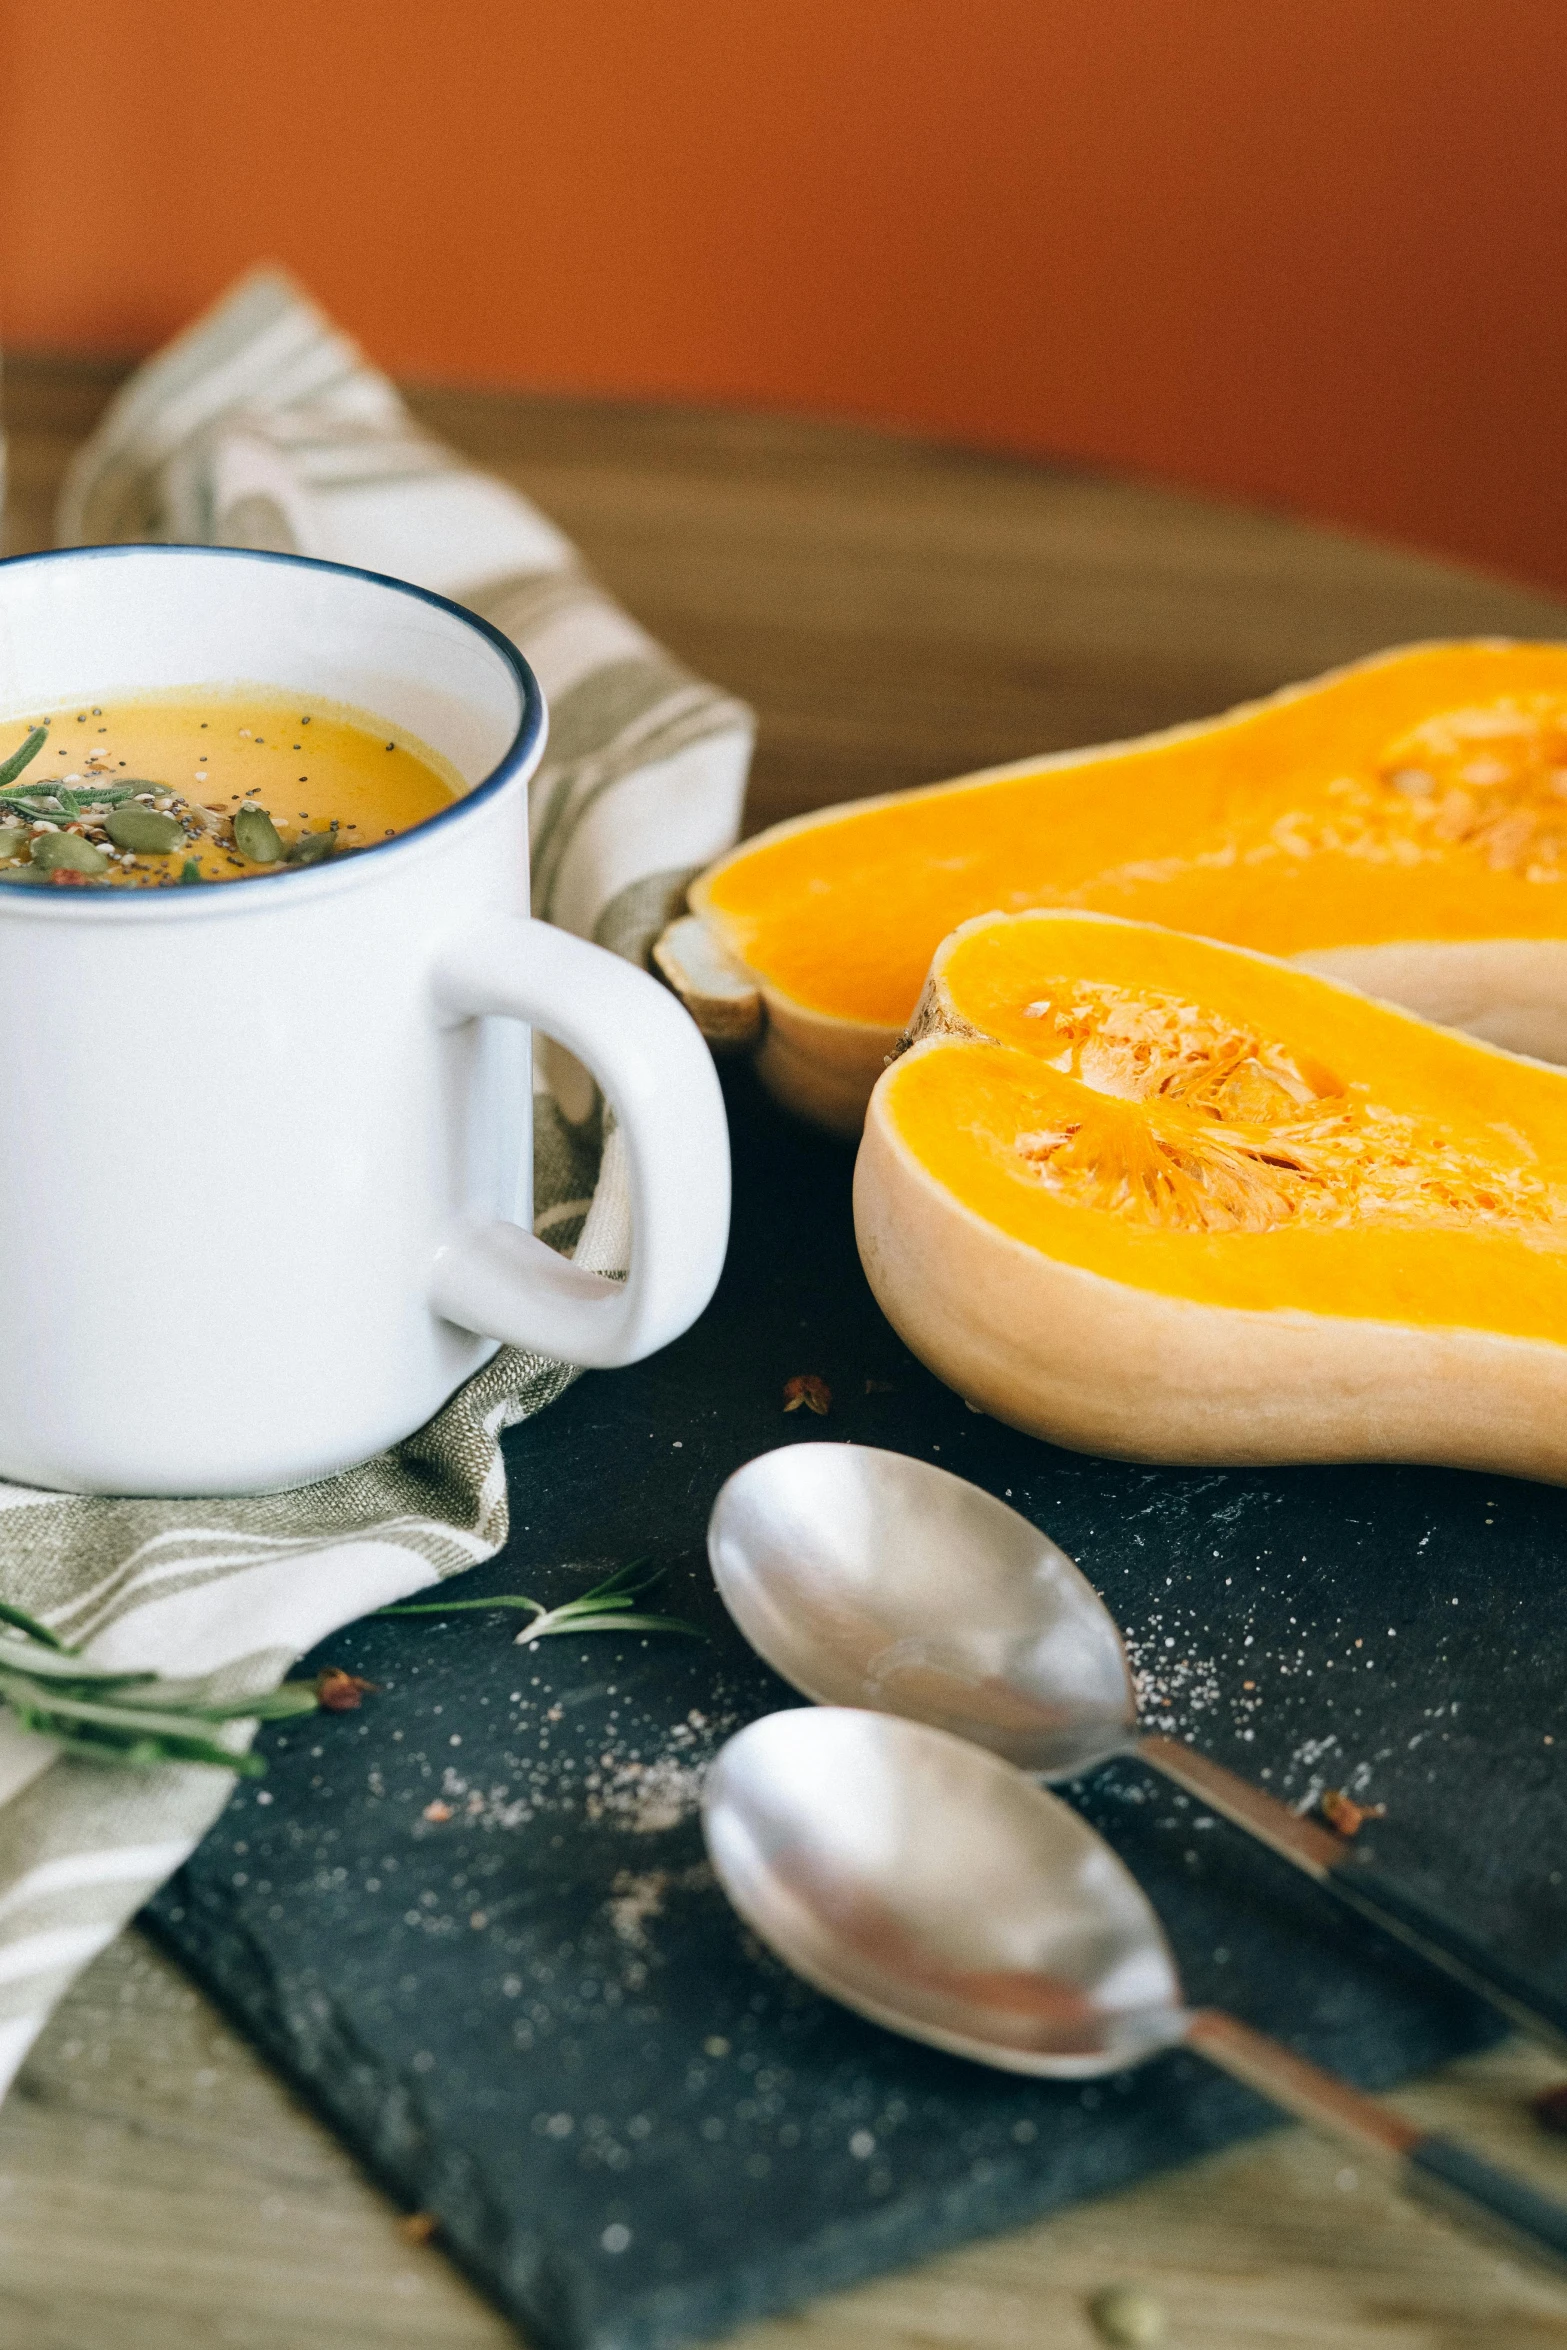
pixel 1309 251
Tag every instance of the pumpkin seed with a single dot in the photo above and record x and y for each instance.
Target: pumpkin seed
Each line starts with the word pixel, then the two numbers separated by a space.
pixel 311 847
pixel 144 831
pixel 13 841
pixel 256 836
pixel 67 852
pixel 1128 2317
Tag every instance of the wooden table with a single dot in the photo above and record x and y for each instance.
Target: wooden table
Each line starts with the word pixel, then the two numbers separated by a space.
pixel 895 613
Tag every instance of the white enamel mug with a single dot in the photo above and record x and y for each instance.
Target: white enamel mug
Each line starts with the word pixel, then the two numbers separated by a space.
pixel 265 1144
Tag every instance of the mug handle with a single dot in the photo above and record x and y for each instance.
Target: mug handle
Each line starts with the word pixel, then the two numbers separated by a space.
pixel 657 1074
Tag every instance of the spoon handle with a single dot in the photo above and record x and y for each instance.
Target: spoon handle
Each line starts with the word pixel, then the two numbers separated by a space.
pixel 1431 2168
pixel 1342 1870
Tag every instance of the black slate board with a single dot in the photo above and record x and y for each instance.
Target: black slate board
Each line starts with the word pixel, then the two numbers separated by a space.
pixel 538 2018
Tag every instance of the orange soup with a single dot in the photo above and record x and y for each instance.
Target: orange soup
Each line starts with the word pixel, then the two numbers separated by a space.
pixel 165 790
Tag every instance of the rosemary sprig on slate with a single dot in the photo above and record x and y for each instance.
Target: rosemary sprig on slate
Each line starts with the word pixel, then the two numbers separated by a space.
pixel 126 1719
pixel 609 1607
pixel 23 756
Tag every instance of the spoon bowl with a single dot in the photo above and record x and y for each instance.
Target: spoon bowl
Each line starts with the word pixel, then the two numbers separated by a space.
pixel 869 1579
pixel 936 1890
pixel 923 1882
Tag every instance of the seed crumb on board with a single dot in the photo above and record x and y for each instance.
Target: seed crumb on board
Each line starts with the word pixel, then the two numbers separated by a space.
pixel 339 1692
pixel 1344 1814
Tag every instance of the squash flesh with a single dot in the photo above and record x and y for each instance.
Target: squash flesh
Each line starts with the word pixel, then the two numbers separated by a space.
pixel 1422 795
pixel 1211 1126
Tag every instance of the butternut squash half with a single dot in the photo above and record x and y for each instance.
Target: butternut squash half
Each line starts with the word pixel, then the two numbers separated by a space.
pixel 1401 824
pixel 1152 1196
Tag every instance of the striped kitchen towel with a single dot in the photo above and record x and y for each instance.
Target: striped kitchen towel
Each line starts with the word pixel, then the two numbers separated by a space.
pixel 263 426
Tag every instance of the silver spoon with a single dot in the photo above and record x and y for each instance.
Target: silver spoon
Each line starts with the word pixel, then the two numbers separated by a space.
pixel 932 1887
pixel 869 1579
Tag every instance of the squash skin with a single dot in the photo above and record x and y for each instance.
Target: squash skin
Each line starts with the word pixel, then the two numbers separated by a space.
pixel 1098 1364
pixel 822 1069
pixel 1512 991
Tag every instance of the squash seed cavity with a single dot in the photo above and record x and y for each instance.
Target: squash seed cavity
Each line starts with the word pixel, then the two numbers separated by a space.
pixel 1181 1119
pixel 1492 778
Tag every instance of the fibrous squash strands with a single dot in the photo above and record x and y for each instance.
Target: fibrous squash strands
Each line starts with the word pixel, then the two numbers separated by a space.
pixel 1150 1195
pixel 1195 1123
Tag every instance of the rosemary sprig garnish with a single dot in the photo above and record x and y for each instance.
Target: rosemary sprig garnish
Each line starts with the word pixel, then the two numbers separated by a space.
pixel 126 1719
pixel 23 756
pixel 609 1607
pixel 52 800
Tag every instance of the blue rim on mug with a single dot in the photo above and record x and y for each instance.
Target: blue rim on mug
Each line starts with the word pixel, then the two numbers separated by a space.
pixel 517 757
